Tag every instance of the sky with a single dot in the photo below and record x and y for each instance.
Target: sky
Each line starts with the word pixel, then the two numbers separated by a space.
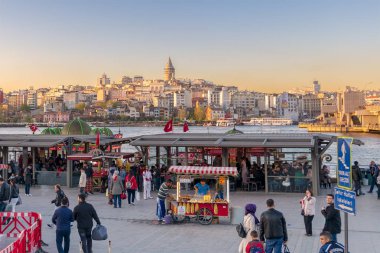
pixel 267 45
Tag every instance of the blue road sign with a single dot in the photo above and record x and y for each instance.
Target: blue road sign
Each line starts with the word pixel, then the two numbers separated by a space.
pixel 345 200
pixel 344 174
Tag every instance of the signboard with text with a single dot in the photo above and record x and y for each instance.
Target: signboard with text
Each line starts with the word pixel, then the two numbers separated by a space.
pixel 344 200
pixel 344 174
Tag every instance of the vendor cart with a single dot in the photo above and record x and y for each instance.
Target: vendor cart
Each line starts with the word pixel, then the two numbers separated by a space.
pixel 204 208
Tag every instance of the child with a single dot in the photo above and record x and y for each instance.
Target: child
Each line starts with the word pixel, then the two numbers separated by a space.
pixel 254 246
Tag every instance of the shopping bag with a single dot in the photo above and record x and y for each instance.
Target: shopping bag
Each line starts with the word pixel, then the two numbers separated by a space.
pixel 285 249
pixel 107 192
pixel 99 233
pixel 19 201
pixel 137 195
pixel 123 195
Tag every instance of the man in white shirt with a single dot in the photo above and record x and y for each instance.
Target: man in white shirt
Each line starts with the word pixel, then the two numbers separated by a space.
pixel 147 177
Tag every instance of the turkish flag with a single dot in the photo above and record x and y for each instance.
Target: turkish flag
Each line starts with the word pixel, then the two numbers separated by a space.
pixel 98 139
pixel 33 128
pixel 169 126
pixel 185 127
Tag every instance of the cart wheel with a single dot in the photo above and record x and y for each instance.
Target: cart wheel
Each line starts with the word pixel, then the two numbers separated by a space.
pixel 204 216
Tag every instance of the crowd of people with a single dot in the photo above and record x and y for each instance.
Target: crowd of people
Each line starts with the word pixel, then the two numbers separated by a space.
pixel 271 228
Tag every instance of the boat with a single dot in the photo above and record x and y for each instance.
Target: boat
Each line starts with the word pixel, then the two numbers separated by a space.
pixel 269 122
pixel 225 122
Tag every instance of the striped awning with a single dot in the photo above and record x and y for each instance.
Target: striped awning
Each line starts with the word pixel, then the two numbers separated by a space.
pixel 203 170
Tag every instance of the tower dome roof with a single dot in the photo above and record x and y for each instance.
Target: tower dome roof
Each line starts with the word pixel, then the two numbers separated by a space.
pixel 76 127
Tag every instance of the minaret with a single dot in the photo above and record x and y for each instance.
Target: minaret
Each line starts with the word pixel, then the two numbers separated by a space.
pixel 169 71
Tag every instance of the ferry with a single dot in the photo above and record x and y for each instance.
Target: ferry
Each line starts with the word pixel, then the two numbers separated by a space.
pixel 225 122
pixel 269 122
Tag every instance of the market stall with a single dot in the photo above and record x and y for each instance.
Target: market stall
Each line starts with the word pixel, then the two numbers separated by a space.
pixel 202 193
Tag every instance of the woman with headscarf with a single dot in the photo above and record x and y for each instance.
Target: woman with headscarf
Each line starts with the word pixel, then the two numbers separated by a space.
pixel 117 188
pixel 250 223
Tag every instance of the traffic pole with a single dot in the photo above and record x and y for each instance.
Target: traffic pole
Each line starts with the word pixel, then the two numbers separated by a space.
pixel 345 232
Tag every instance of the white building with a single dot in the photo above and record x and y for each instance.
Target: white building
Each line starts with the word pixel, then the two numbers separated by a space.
pixel 288 106
pixel 71 99
pixel 182 99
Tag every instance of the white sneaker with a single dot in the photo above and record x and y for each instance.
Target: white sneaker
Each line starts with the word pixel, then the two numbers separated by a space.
pixel 145 198
pixel 30 195
pixel 150 197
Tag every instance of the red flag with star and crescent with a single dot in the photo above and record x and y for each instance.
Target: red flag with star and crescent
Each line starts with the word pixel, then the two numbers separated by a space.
pixel 169 126
pixel 185 127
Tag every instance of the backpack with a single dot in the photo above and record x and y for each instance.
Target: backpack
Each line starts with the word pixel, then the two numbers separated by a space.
pixel 240 230
pixel 255 247
pixel 128 184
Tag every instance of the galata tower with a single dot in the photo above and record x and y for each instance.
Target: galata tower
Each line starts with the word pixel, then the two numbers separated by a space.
pixel 169 71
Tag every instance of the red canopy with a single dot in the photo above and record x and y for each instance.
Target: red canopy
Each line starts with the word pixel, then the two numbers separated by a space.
pixel 204 170
pixel 80 156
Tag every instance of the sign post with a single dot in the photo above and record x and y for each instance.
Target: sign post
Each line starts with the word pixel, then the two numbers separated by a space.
pixel 344 199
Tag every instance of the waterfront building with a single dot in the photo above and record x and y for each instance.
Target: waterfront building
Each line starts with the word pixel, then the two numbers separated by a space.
pixel 348 102
pixel 288 106
pixel 182 99
pixel 71 99
pixel 169 71
pixel 311 106
pixel 53 117
pixel 243 99
pixel 103 81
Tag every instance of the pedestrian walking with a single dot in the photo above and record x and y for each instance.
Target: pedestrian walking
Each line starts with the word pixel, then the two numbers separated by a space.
pixel 4 194
pixel 147 178
pixel 89 174
pixel 62 218
pixel 332 216
pixel 163 194
pixel 328 245
pixel 273 229
pixel 254 246
pixel 357 177
pixel 28 177
pixel 131 186
pixel 59 195
pixel 308 211
pixel 82 181
pixel 84 213
pixel 14 193
pixel 374 173
pixel 250 223
pixel 117 189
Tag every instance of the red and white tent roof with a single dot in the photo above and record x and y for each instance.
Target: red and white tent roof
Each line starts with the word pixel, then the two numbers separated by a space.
pixel 4 166
pixel 204 170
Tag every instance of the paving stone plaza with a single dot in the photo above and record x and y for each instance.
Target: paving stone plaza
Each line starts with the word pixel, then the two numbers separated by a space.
pixel 132 228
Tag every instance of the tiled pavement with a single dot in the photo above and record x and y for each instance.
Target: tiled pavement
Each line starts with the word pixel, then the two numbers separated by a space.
pixel 131 228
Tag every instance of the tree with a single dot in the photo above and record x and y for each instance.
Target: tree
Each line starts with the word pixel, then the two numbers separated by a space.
pixel 25 108
pixel 208 113
pixel 80 107
pixel 181 114
pixel 199 114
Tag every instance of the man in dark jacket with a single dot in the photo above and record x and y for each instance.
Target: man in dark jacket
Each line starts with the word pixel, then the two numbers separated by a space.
pixel 59 195
pixel 4 194
pixel 332 216
pixel 273 229
pixel 328 245
pixel 62 218
pixel 374 173
pixel 356 177
pixel 83 214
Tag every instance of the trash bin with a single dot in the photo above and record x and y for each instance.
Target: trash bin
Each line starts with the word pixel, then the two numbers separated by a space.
pixel 237 215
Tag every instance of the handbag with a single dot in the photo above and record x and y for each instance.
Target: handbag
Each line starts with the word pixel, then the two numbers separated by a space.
pixel 99 233
pixel 241 231
pixel 302 212
pixel 123 195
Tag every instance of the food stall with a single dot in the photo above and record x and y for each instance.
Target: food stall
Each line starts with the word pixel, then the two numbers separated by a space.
pixel 204 208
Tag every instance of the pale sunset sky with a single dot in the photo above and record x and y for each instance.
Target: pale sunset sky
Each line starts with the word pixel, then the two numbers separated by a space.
pixel 267 45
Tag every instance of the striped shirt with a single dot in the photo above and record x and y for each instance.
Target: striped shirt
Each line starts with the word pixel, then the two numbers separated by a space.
pixel 163 192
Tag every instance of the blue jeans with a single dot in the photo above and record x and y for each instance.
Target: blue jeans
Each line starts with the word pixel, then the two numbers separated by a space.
pixel 373 184
pixel 59 237
pixel 27 188
pixel 274 245
pixel 85 237
pixel 160 211
pixel 116 200
pixel 333 238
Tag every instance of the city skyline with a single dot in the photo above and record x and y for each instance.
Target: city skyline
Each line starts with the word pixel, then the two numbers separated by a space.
pixel 266 46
